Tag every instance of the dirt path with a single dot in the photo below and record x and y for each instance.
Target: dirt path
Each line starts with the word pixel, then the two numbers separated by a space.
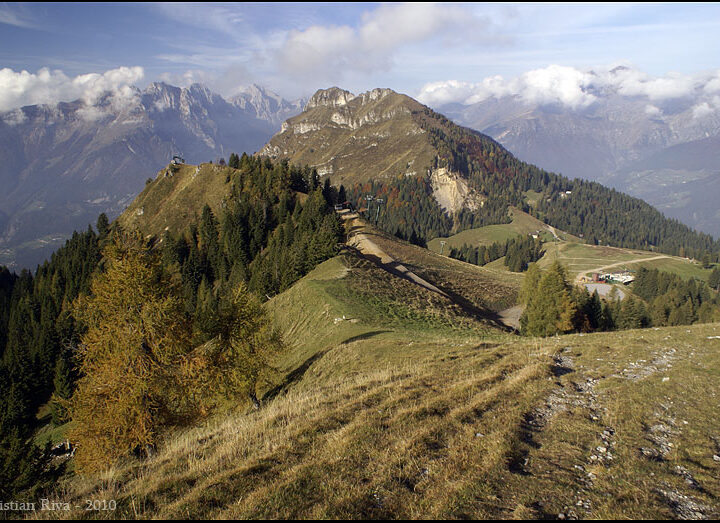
pixel 361 239
pixel 579 277
pixel 368 248
pixel 552 230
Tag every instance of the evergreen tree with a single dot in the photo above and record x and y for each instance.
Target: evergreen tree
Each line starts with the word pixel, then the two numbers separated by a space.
pixel 103 226
pixel 550 310
pixel 236 357
pixel 530 283
pixel 594 311
pixel 64 386
pixel 714 279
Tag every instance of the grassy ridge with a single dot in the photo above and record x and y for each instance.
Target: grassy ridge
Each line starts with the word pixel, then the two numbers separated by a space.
pixel 486 289
pixel 428 424
pixel 171 202
pixel 393 403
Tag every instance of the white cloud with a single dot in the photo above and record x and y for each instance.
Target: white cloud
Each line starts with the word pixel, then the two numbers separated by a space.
pixel 228 82
pixel 706 108
pixel 393 25
pixel 91 113
pixel 556 84
pixel 553 84
pixel 573 88
pixel 713 84
pixel 318 48
pixel 701 110
pixel 323 52
pixel 17 16
pixel 47 86
pixel 15 117
pixel 631 82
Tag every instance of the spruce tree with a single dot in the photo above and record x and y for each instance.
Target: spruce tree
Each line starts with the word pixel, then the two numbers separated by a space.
pixel 64 386
pixel 550 308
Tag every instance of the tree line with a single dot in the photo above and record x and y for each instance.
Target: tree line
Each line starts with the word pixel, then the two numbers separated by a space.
pixel 518 252
pixel 554 306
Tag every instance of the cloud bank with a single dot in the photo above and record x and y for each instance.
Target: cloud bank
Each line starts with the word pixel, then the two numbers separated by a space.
pixel 575 89
pixel 47 86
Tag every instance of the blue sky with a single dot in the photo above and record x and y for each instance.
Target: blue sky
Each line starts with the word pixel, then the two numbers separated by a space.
pixel 295 49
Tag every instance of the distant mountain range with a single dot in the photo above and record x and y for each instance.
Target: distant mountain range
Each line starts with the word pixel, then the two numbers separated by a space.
pixel 666 153
pixel 62 165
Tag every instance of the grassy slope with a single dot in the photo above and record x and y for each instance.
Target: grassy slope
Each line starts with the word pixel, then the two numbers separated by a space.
pixel 522 223
pixel 407 408
pixel 453 425
pixel 581 257
pixel 481 287
pixel 576 256
pixel 171 202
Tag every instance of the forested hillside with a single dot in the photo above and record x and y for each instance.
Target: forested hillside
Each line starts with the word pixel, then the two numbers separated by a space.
pixel 586 209
pixel 437 178
pixel 276 224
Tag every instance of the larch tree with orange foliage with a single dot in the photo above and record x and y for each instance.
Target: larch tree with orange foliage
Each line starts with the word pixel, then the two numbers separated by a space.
pixel 137 336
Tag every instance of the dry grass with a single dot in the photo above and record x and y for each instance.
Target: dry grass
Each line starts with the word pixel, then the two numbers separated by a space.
pixel 392 427
pixel 429 414
pixel 397 441
pixel 479 287
pixel 172 201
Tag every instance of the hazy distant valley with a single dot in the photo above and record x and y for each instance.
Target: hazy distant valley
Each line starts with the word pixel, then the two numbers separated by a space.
pixel 666 152
pixel 61 166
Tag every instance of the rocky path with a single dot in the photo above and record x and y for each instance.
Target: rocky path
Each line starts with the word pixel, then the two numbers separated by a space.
pixel 583 395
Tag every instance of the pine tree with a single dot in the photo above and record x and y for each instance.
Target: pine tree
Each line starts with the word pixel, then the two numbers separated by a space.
pixel 236 359
pixel 103 226
pixel 714 279
pixel 64 386
pixel 530 283
pixel 594 311
pixel 550 309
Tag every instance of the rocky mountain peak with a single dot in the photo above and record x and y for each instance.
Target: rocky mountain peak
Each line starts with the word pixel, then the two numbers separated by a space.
pixel 200 92
pixel 332 97
pixel 265 104
pixel 375 95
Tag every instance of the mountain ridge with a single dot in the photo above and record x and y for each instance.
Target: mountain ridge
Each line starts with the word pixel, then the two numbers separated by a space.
pixel 394 141
pixel 609 141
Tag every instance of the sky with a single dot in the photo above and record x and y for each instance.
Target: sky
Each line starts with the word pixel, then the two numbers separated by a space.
pixel 437 52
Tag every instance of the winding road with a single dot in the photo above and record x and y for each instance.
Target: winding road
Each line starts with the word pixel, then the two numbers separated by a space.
pixel 580 276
